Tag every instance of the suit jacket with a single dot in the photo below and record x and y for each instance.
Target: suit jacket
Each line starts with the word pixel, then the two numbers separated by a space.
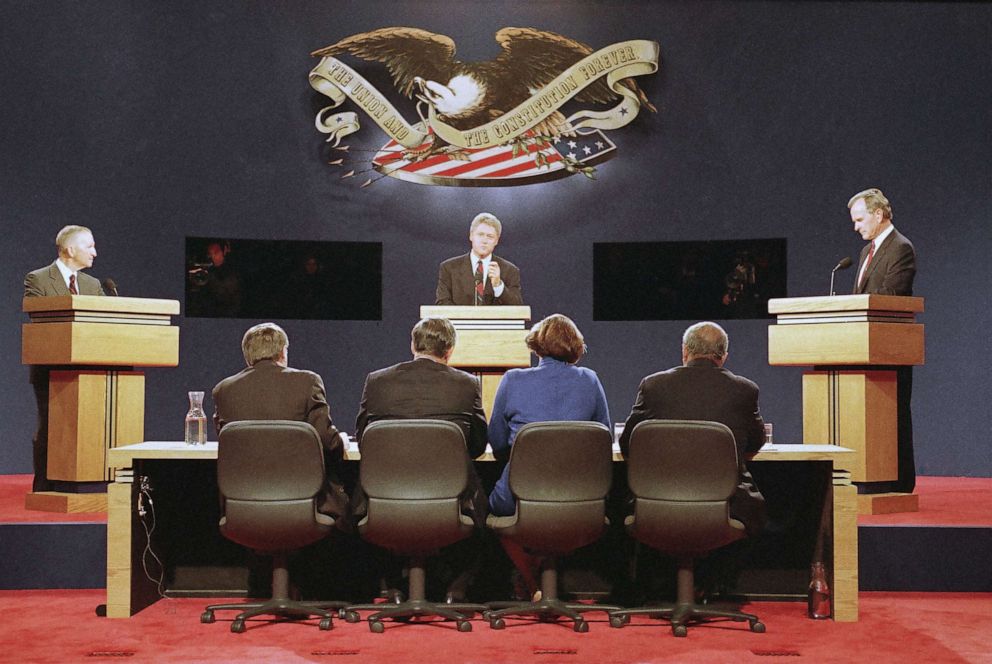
pixel 268 391
pixel 424 389
pixel 703 391
pixel 48 281
pixel 456 283
pixel 892 268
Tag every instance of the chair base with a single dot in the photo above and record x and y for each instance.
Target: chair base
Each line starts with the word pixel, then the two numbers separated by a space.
pixel 683 615
pixel 549 608
pixel 685 611
pixel 279 607
pixel 415 607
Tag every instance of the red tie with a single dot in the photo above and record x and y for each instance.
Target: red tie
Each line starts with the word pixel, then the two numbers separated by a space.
pixel 864 273
pixel 72 284
pixel 480 283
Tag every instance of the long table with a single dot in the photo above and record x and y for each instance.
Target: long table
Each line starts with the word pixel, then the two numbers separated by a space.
pixel 129 589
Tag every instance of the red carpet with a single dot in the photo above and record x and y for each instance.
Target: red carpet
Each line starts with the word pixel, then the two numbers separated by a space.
pixel 12 491
pixel 60 626
pixel 944 501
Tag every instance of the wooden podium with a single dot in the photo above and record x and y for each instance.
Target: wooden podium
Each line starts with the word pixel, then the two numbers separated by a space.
pixel 854 343
pixel 490 341
pixel 96 399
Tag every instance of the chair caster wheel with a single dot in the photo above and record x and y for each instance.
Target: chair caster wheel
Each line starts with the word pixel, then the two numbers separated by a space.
pixel 207 617
pixel 464 626
pixel 679 630
pixel 497 623
pixel 619 621
pixel 376 627
pixel 581 626
pixel 758 627
pixel 352 617
pixel 238 626
pixel 325 623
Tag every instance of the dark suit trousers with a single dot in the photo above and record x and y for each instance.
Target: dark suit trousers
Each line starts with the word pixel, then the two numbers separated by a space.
pixel 40 441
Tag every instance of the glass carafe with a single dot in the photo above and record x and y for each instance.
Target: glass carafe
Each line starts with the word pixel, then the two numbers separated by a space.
pixel 196 420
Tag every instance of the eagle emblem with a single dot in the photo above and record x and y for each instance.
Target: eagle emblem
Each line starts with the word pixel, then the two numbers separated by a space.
pixel 498 122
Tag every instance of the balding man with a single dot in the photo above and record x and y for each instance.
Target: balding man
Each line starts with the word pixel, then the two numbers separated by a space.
pixel 76 251
pixel 702 389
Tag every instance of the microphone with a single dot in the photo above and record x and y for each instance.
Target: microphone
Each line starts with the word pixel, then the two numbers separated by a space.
pixel 843 264
pixel 109 287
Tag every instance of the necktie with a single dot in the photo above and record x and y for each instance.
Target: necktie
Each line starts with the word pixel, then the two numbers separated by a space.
pixel 480 284
pixel 864 273
pixel 72 284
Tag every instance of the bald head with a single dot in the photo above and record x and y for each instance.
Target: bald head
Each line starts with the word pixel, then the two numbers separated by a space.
pixel 705 340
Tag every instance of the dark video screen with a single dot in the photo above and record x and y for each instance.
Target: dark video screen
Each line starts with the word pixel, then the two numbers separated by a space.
pixel 718 279
pixel 232 278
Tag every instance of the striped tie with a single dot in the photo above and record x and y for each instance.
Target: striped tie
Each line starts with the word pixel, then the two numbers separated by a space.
pixel 72 285
pixel 480 284
pixel 864 272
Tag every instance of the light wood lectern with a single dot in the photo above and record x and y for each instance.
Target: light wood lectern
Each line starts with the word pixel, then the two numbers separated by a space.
pixel 854 343
pixel 490 341
pixel 96 399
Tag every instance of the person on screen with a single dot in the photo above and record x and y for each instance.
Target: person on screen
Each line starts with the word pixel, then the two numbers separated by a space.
pixel 76 251
pixel 703 389
pixel 478 277
pixel 268 389
pixel 887 266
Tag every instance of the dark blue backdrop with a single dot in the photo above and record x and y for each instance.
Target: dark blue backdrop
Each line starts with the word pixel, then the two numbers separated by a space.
pixel 151 121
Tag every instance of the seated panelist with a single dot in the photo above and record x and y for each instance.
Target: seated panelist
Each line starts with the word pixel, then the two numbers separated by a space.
pixel 268 389
pixel 555 390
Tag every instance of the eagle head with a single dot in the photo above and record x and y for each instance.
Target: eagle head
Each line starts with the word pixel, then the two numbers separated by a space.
pixel 462 96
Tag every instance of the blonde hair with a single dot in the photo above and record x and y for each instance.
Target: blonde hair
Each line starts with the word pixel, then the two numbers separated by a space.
pixel 486 218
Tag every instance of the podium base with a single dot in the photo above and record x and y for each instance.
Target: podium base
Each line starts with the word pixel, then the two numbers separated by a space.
pixel 888 503
pixel 65 503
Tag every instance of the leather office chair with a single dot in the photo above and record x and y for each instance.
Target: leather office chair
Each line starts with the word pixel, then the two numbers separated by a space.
pixel 413 473
pixel 682 474
pixel 560 474
pixel 269 473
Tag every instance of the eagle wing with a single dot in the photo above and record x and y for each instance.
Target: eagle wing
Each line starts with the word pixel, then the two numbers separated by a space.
pixel 406 52
pixel 538 56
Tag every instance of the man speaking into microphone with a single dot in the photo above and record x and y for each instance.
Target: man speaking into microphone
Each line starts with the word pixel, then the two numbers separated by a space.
pixel 478 277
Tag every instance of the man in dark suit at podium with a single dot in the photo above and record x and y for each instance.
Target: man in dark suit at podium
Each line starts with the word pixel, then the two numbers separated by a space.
pixel 76 251
pixel 478 277
pixel 887 266
pixel 268 389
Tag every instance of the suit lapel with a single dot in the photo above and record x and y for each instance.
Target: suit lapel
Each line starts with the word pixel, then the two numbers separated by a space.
pixel 876 260
pixel 57 282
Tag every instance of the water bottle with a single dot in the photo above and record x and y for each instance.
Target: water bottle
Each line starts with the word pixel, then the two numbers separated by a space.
pixel 196 420
pixel 818 598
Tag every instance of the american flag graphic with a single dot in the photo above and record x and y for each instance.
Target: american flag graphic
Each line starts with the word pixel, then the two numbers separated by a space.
pixel 498 166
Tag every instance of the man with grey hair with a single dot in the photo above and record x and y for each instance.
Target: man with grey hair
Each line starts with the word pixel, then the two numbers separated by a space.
pixel 268 389
pixel 478 277
pixel 887 266
pixel 703 389
pixel 76 251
